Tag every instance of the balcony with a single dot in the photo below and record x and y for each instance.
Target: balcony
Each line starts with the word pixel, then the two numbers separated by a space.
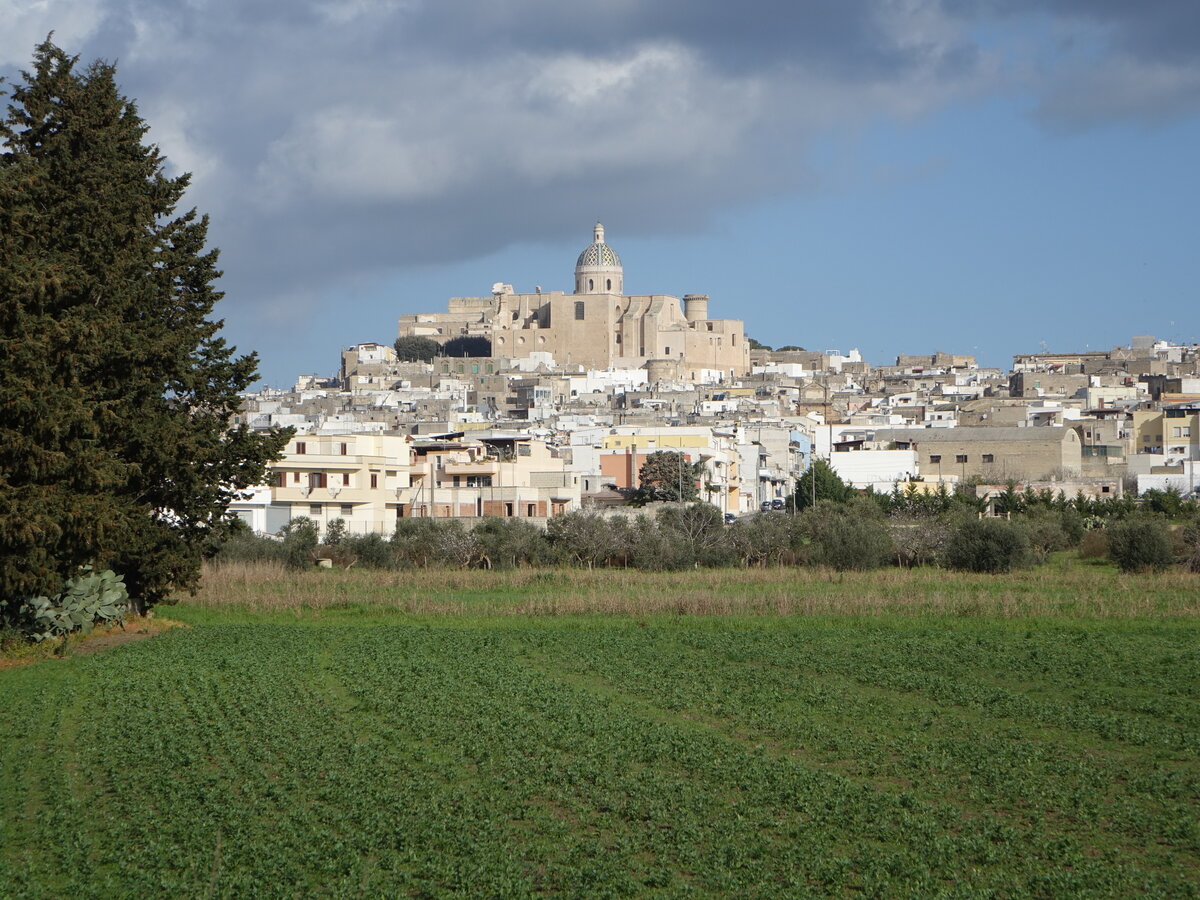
pixel 483 467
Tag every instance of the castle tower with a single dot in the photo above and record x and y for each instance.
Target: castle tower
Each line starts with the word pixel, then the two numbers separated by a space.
pixel 598 270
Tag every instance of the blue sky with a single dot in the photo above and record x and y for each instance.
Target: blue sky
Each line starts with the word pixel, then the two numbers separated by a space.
pixel 974 176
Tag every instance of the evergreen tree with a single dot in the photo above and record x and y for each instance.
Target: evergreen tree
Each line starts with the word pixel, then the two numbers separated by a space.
pixel 409 349
pixel 828 486
pixel 667 475
pixel 116 393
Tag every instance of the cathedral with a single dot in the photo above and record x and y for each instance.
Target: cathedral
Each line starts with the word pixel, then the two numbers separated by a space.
pixel 598 326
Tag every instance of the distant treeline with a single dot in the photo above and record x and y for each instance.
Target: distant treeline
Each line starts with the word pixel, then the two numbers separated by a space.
pixel 863 532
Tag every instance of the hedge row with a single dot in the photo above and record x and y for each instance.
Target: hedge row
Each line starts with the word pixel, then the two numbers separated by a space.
pixel 849 536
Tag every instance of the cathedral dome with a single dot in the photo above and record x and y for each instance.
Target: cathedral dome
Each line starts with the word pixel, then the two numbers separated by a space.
pixel 598 254
pixel 598 269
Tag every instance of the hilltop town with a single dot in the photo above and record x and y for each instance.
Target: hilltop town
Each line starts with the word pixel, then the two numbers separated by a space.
pixel 535 404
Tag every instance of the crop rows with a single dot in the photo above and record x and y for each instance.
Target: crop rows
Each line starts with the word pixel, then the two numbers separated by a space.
pixel 781 758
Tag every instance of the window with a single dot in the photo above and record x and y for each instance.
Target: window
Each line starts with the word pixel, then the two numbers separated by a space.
pixel 300 448
pixel 1176 431
pixel 618 339
pixel 960 458
pixel 989 458
pixel 342 449
pixel 281 479
pixel 345 479
pixel 523 450
pixel 591 286
pixel 295 478
pixel 608 284
pixel 710 326
pixel 579 310
pixel 316 479
pixel 374 479
pixel 314 509
pixel 531 509
pixel 347 510
pixel 667 351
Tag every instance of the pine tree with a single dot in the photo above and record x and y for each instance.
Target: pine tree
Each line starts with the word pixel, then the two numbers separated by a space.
pixel 828 486
pixel 667 475
pixel 116 392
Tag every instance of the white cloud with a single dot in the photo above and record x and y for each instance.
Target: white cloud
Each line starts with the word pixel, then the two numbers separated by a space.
pixel 26 24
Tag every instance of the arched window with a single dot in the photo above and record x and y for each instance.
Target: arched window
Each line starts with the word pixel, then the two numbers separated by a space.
pixel 591 285
pixel 608 284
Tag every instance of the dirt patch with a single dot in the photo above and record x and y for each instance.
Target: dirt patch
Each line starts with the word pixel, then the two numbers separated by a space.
pixel 99 644
pixel 137 628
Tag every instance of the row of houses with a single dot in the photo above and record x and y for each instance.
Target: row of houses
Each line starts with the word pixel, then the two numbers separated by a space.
pixel 370 480
pixel 527 437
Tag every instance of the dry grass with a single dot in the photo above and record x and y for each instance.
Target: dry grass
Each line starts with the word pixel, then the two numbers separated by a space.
pixel 1062 588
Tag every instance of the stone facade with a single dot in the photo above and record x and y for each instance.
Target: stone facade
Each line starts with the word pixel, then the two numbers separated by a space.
pixel 597 326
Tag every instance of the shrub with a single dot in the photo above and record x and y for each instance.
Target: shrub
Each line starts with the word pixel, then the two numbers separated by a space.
pixel 763 540
pixel 299 542
pixel 88 598
pixel 415 543
pixel 918 541
pixel 583 538
pixel 850 536
pixel 1140 545
pixel 987 545
pixel 371 550
pixel 245 546
pixel 1094 545
pixel 507 543
pixel 1049 529
pixel 1191 546
pixel 657 549
pixel 854 542
pixel 700 528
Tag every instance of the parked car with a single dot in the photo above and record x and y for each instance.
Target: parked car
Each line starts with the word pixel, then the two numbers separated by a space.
pixel 765 506
pixel 730 518
pixel 777 503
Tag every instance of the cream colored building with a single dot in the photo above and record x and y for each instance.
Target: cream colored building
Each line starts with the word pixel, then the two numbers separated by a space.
pixel 598 326
pixel 360 478
pixel 518 478
pixel 370 480
pixel 994 454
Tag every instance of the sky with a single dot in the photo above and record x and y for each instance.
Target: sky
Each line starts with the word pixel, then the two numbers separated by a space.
pixel 901 176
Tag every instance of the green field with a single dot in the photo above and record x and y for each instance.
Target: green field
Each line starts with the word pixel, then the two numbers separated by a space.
pixel 353 751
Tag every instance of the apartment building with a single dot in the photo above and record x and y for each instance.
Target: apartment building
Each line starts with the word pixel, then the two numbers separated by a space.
pixel 359 478
pixel 498 476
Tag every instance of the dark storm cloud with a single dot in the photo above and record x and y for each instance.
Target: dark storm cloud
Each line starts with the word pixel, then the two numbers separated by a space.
pixel 1114 60
pixel 333 138
pixel 1159 30
pixel 854 39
